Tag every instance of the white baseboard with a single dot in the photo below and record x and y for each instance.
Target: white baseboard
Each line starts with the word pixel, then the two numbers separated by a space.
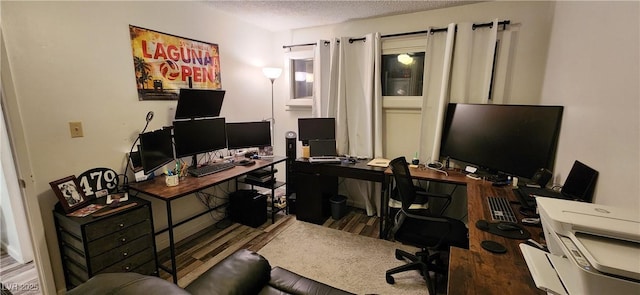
pixel 15 254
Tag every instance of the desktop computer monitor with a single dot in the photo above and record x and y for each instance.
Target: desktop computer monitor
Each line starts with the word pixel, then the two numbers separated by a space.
pixel 199 103
pixel 248 134
pixel 316 128
pixel 156 149
pixel 198 136
pixel 506 139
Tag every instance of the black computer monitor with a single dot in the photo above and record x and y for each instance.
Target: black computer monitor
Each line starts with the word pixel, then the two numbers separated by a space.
pixel 156 149
pixel 502 139
pixel 248 134
pixel 581 182
pixel 192 137
pixel 199 103
pixel 316 128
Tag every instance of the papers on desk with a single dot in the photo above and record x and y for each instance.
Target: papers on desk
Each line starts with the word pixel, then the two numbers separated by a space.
pixel 379 162
pixel 120 197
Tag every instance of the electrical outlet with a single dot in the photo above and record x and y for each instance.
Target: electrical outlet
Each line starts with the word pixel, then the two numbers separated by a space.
pixel 76 129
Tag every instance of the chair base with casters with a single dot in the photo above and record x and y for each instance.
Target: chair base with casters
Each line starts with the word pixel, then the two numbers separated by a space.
pixel 423 262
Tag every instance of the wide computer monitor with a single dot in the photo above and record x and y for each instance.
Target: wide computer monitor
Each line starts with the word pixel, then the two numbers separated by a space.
pixel 502 139
pixel 192 137
pixel 248 134
pixel 199 103
pixel 316 128
pixel 156 149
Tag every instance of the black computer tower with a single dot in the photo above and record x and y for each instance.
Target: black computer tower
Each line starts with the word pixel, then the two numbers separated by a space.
pixel 248 207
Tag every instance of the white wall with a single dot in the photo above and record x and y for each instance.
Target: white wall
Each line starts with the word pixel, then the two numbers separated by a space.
pixel 593 70
pixel 72 61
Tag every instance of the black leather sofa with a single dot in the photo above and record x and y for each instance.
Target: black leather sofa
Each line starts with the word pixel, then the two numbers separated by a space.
pixel 244 272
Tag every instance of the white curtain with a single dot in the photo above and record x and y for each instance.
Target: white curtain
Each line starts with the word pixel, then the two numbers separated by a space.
pixel 461 75
pixel 321 79
pixel 473 63
pixel 437 65
pixel 355 101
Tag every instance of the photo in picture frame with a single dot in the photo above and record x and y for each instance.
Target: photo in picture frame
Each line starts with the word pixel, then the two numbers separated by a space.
pixel 68 192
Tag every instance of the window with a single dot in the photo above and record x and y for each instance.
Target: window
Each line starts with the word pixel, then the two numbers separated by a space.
pixel 299 75
pixel 402 74
pixel 302 78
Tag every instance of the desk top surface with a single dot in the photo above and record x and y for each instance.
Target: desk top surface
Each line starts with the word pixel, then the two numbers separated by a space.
pixel 477 271
pixel 157 188
pixel 357 170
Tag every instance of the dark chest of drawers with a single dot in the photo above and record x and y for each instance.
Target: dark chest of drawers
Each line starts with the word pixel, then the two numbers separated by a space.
pixel 118 242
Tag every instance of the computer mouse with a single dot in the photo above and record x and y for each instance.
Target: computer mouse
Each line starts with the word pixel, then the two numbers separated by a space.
pixel 508 227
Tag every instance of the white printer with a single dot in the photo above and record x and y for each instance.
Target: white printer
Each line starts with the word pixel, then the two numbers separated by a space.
pixel 594 249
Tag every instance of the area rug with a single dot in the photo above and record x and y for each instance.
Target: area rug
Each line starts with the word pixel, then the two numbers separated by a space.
pixel 347 261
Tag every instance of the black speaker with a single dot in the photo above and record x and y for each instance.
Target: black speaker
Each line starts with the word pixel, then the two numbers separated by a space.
pixel 290 147
pixel 541 177
pixel 290 138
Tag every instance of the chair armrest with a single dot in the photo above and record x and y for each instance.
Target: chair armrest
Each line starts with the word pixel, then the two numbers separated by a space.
pixel 243 272
pixel 291 283
pixel 125 284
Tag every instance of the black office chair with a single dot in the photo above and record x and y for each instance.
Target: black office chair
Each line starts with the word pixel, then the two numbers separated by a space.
pixel 426 230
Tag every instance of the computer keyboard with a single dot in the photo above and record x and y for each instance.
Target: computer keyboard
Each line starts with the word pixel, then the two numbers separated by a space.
pixel 324 159
pixel 501 209
pixel 210 169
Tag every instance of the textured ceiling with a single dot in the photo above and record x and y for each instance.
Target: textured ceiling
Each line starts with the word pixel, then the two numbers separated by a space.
pixel 277 15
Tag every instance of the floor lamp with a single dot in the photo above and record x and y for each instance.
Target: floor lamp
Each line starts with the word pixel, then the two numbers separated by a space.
pixel 272 74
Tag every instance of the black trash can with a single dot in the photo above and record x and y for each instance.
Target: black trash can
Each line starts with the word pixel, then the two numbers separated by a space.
pixel 291 203
pixel 338 206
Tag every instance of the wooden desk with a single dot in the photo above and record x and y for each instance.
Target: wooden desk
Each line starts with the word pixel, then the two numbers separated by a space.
pixel 477 271
pixel 157 188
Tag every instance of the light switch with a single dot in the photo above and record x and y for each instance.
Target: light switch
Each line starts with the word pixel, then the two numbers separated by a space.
pixel 76 129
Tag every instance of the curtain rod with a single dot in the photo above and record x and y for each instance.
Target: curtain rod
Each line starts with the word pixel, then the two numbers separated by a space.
pixel 475 26
pixel 504 24
pixel 307 44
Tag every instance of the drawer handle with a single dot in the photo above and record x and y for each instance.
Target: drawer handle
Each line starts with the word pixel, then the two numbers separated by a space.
pixel 123 240
pixel 125 254
pixel 121 225
pixel 127 268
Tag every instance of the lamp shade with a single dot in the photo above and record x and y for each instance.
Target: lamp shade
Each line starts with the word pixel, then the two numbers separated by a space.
pixel 272 73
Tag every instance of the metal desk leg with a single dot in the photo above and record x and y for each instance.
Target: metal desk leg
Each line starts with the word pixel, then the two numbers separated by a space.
pixel 172 247
pixel 384 200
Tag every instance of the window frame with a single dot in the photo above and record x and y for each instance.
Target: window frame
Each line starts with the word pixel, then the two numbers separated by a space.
pixel 398 46
pixel 290 57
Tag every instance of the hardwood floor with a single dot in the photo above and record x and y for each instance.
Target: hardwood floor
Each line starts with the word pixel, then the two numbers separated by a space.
pixel 203 250
pixel 18 278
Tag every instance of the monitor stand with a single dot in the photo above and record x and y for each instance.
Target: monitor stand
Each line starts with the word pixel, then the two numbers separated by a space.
pixel 194 162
